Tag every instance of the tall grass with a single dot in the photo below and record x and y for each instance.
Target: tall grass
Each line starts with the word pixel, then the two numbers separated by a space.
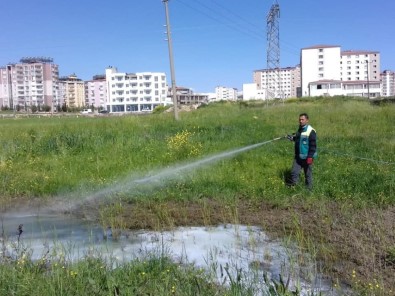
pixel 49 156
pixel 91 276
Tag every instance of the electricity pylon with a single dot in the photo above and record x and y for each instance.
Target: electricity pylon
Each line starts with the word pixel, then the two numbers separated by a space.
pixel 273 80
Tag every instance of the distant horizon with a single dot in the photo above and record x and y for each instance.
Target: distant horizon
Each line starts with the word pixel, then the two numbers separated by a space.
pixel 214 44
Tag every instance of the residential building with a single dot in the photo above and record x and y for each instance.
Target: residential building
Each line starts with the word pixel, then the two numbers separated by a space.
pixel 96 92
pixel 388 83
pixel 323 63
pixel 360 65
pixel 355 88
pixel 287 86
pixel 135 92
pixel 319 62
pixel 251 91
pixel 72 91
pixel 225 93
pixel 186 96
pixel 31 82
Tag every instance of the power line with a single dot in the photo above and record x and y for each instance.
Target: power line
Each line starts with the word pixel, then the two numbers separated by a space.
pixel 231 25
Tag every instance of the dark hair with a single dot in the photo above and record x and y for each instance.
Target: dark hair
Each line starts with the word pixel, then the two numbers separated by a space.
pixel 304 114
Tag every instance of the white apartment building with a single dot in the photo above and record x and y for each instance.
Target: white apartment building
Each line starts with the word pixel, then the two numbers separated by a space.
pixel 135 92
pixel 31 82
pixel 360 65
pixel 72 91
pixel 252 92
pixel 287 83
pixel 96 92
pixel 325 67
pixel 388 83
pixel 225 93
pixel 318 63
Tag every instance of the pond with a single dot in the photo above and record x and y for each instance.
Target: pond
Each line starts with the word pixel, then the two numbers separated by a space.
pixel 223 251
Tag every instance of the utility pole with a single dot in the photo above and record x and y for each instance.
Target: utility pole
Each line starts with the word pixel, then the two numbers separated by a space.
pixel 367 64
pixel 10 92
pixel 172 72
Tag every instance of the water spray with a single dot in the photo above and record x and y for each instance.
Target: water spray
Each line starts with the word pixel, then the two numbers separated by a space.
pixel 157 178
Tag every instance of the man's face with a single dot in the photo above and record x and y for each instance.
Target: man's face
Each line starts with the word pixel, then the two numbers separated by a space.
pixel 303 120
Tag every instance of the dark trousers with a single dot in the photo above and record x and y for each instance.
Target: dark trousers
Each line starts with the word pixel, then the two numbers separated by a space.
pixel 297 166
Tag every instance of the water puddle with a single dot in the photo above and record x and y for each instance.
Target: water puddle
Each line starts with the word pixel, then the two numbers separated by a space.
pixel 227 250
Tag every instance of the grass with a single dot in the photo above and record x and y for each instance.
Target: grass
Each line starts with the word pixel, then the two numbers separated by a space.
pixel 50 156
pixel 74 156
pixel 91 276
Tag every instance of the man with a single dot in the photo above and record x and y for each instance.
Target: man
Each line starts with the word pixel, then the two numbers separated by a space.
pixel 305 151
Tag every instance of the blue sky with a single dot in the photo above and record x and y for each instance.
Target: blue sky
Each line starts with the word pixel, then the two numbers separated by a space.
pixel 215 42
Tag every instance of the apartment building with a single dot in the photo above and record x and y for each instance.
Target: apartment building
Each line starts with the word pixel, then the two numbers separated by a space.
pixel 287 84
pixel 327 70
pixel 360 65
pixel 72 91
pixel 135 92
pixel 96 92
pixel 31 82
pixel 225 93
pixel 318 63
pixel 388 83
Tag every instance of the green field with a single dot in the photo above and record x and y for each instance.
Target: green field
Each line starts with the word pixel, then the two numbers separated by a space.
pixel 74 157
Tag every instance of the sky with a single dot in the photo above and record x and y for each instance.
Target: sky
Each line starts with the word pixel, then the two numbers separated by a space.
pixel 215 42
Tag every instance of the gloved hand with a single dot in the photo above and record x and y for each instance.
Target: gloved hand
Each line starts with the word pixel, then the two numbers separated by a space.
pixel 309 160
pixel 290 137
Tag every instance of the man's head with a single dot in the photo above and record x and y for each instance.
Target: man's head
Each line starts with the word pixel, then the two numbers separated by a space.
pixel 303 119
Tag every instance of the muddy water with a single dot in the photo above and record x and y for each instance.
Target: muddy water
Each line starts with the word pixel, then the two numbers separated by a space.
pixel 242 249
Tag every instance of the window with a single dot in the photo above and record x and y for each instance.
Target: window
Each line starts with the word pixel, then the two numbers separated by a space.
pixel 321 56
